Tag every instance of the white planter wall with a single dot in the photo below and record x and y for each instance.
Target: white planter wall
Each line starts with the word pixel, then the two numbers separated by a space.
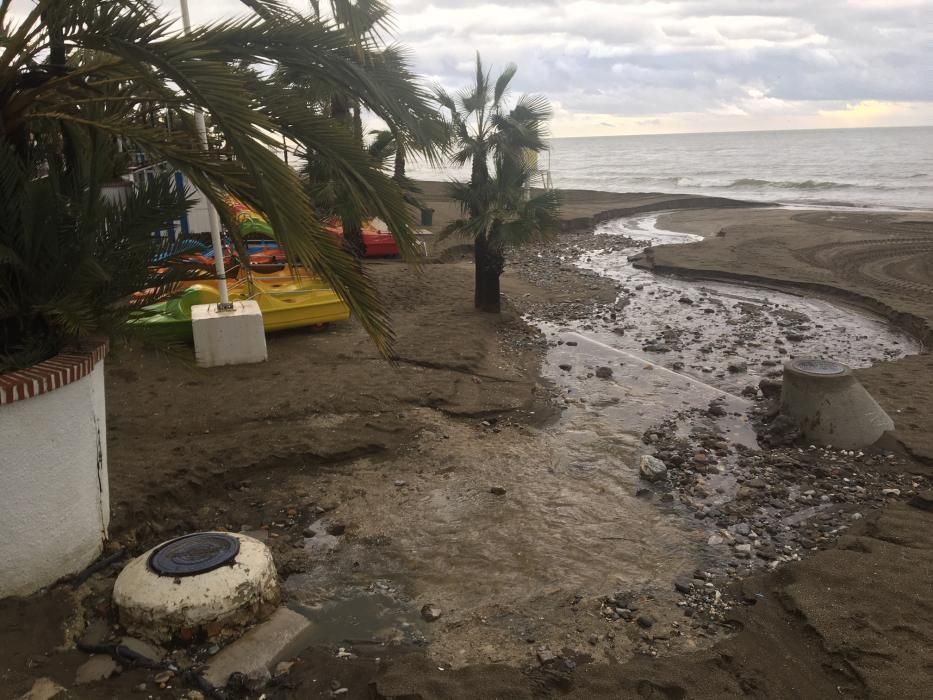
pixel 54 492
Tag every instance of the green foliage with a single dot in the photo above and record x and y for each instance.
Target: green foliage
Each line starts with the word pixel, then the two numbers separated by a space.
pixel 500 208
pixel 80 72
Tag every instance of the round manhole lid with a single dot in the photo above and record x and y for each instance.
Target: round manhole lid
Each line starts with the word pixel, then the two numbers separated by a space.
pixel 821 367
pixel 194 554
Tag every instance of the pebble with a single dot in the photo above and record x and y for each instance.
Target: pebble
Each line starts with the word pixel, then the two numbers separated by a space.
pixel 497 490
pixel 604 372
pixel 651 468
pixel 645 621
pixel 431 613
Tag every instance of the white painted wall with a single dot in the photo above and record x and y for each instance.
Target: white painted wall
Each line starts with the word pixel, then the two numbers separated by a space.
pixel 54 490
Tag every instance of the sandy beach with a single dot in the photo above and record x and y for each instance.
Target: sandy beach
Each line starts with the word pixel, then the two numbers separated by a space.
pixel 493 472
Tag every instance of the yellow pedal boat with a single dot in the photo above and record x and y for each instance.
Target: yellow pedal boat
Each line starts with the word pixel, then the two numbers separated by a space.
pixel 285 301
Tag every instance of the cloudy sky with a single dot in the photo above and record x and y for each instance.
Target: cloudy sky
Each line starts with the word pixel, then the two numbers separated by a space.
pixel 661 66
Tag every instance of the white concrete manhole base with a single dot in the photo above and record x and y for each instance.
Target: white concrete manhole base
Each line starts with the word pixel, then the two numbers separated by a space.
pixel 215 603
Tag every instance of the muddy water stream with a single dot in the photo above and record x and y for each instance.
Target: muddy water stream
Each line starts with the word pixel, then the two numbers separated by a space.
pixel 510 530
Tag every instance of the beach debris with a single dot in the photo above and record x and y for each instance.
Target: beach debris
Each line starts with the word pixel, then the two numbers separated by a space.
pixel 97 668
pixel 651 468
pixel 431 613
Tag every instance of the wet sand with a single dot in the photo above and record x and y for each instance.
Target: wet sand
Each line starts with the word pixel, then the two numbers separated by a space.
pixel 404 459
pixel 882 262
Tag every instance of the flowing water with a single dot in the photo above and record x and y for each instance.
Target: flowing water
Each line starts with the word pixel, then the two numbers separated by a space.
pixel 506 568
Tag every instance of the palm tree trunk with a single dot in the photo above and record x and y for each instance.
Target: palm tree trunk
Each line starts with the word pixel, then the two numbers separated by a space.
pixel 399 173
pixel 489 259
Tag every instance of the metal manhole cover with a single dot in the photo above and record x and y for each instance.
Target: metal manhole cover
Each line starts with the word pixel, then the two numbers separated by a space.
pixel 823 367
pixel 194 554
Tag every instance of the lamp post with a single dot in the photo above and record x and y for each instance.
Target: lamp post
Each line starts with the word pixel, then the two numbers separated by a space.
pixel 216 243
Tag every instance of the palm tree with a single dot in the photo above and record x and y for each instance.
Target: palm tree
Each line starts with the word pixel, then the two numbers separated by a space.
pixel 79 73
pixel 485 130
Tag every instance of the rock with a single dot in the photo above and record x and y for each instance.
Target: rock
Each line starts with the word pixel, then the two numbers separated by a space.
pixel 594 639
pixel 645 621
pixel 652 468
pixel 431 613
pixel 97 668
pixel 655 347
pixel 618 330
pixel 682 585
pixel 546 656
pixel 743 548
pixel 280 637
pixel 714 540
pixel 336 529
pixel 922 500
pixel 565 367
pixel 738 367
pixel 571 343
pixel 195 695
pixel 604 372
pixel 716 410
pixel 144 649
pixel 685 300
pixel 770 388
pixel 743 529
pixel 43 689
pixel 163 677
pixel 497 490
pixel 700 458
pixel 795 337
pixel 282 668
pixel 891 492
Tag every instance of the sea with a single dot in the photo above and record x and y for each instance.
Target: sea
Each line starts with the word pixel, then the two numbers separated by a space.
pixel 877 168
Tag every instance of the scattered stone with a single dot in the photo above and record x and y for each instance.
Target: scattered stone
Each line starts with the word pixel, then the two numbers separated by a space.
pixel 144 649
pixel 652 468
pixel 431 613
pixel 685 300
pixel 645 621
pixel 770 388
pixel 43 689
pixel 604 372
pixel 497 490
pixel 97 668
pixel 683 585
pixel 923 501
pixel 566 367
pixel 282 668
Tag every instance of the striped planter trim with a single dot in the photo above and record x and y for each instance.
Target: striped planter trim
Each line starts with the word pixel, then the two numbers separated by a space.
pixel 68 366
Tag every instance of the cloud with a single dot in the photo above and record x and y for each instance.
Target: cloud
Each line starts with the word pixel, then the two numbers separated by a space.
pixel 681 64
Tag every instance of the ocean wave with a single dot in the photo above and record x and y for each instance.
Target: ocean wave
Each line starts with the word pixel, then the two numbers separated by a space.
pixel 754 183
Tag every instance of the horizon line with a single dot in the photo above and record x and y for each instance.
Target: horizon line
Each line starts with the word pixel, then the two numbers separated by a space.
pixel 745 131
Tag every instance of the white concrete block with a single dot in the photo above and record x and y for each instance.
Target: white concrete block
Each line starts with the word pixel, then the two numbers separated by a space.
pixel 257 652
pixel 234 337
pixel 159 608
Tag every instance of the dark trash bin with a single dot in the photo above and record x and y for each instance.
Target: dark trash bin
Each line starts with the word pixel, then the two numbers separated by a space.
pixel 427 216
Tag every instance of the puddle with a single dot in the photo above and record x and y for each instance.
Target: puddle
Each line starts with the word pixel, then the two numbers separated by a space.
pixel 359 617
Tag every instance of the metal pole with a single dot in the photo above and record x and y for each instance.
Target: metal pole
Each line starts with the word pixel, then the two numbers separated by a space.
pixel 216 243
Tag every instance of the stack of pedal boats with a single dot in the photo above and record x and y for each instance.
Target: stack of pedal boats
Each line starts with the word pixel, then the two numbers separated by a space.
pixel 288 297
